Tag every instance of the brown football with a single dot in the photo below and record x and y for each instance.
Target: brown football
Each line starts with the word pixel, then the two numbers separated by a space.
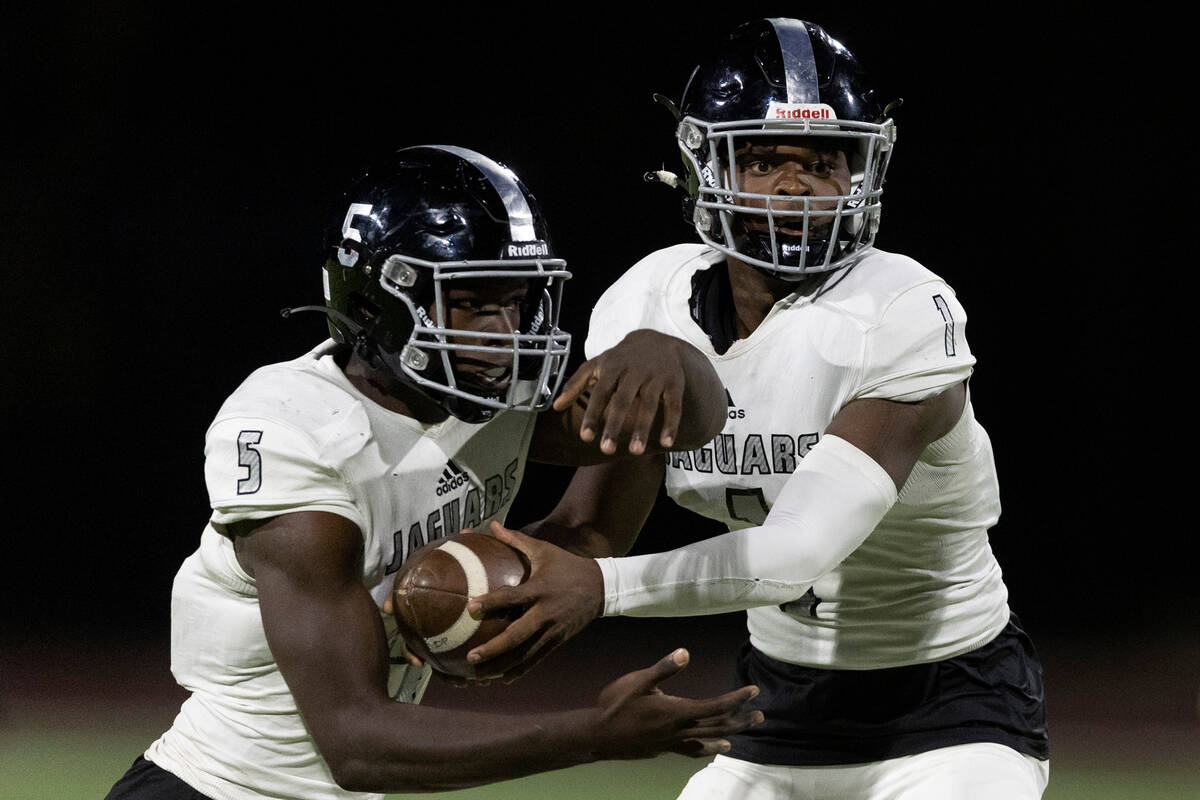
pixel 431 590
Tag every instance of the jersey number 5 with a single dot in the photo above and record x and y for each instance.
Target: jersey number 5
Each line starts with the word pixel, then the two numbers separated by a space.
pixel 348 258
pixel 251 459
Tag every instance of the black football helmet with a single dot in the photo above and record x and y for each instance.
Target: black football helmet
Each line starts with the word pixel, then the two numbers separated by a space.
pixel 782 79
pixel 429 216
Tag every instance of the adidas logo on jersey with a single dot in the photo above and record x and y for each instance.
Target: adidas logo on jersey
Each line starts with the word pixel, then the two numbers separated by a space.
pixel 452 477
pixel 463 502
pixel 734 413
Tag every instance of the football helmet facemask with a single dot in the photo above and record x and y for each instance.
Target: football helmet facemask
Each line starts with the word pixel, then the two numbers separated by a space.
pixel 430 218
pixel 783 81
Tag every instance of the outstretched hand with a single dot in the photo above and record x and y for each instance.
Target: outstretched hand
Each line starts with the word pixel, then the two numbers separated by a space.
pixel 637 720
pixel 628 386
pixel 564 592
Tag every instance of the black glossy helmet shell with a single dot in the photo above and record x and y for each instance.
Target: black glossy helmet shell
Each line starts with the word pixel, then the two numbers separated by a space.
pixel 783 82
pixel 762 62
pixel 426 215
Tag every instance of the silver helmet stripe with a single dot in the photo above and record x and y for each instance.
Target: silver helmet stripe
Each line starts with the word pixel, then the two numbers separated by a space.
pixel 504 181
pixel 799 66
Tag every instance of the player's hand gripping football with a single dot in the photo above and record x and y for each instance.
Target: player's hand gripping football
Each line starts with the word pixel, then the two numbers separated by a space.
pixel 637 720
pixel 647 376
pixel 564 593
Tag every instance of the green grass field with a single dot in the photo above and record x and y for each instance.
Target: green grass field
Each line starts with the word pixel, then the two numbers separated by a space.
pixel 43 763
pixel 1123 721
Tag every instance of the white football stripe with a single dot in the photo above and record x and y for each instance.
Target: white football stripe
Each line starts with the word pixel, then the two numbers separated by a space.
pixel 477 584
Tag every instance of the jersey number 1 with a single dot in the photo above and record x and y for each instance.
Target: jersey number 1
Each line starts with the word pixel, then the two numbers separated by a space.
pixel 948 318
pixel 749 505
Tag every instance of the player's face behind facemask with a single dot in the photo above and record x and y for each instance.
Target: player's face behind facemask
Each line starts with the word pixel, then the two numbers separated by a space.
pixel 783 79
pixel 480 318
pixel 789 185
pixel 479 344
pixel 436 224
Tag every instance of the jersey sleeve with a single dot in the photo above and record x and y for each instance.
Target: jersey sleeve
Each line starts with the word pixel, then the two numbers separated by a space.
pixel 918 348
pixel 612 319
pixel 258 468
pixel 638 299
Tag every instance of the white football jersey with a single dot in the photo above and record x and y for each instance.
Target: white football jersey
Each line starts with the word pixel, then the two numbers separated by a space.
pixel 298 436
pixel 924 586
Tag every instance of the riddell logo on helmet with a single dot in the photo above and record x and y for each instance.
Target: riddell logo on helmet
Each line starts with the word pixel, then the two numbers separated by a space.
pixel 527 250
pixel 800 111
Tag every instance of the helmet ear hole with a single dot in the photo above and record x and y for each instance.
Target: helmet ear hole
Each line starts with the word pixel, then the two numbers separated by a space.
pixel 361 309
pixel 367 314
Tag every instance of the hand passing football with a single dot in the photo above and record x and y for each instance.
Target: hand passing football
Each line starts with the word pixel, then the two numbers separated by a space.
pixel 431 590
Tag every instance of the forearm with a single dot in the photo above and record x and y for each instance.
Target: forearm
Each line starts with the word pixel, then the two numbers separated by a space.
pixel 325 632
pixel 583 539
pixel 337 666
pixel 404 748
pixel 732 572
pixel 833 501
pixel 604 507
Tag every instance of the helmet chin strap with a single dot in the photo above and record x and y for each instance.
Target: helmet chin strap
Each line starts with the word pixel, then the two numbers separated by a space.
pixel 757 244
pixel 352 327
pixel 354 333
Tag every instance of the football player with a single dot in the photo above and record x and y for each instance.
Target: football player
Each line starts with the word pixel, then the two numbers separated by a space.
pixel 857 485
pixel 414 421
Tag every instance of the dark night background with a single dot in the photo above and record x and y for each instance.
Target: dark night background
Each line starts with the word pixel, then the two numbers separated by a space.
pixel 172 173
